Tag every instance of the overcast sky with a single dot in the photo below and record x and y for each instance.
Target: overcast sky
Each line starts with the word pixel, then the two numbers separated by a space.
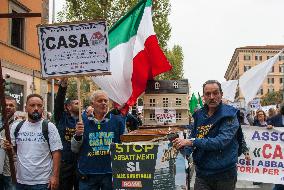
pixel 209 31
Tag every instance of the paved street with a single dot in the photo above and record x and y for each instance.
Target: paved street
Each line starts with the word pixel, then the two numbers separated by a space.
pixel 243 185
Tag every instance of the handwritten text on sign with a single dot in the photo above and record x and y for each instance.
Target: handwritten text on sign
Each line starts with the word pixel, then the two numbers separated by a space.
pixel 165 116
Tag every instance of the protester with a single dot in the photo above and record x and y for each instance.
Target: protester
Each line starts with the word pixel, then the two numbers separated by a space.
pixel 66 116
pixel 214 141
pixel 260 120
pixel 140 119
pixel 92 140
pixel 38 156
pixel 271 112
pixel 277 121
pixel 132 122
pixel 5 177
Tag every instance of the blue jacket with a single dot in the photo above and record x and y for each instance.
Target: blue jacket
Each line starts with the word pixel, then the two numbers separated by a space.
pixel 66 125
pixel 276 121
pixel 215 145
pixel 94 155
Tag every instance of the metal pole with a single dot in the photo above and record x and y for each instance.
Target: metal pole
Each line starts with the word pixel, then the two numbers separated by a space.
pixel 52 80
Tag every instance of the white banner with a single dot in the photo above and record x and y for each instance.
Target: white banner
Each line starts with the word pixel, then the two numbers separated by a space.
pixel 74 49
pixel 165 116
pixel 266 151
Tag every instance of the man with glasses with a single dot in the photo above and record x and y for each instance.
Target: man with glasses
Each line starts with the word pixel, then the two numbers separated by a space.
pixel 214 141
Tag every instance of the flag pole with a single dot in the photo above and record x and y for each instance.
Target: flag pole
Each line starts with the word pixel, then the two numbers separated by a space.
pixel 52 80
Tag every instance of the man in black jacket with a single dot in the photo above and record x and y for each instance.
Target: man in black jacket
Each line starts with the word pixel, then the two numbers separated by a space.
pixel 66 116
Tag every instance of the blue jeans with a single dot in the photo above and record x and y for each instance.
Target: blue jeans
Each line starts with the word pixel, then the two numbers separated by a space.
pixel 31 187
pixel 96 182
pixel 6 183
pixel 278 187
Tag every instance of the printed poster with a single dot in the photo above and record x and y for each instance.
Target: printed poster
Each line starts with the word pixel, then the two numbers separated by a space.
pixel 74 49
pixel 146 166
pixel 266 151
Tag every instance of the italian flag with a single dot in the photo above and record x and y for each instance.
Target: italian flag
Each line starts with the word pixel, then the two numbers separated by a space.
pixel 135 56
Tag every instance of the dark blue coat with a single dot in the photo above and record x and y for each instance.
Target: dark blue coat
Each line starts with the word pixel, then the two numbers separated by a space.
pixel 215 149
pixel 276 121
pixel 66 125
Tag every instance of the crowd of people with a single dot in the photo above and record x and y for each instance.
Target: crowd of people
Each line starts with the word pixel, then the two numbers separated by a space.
pixel 69 154
pixel 73 153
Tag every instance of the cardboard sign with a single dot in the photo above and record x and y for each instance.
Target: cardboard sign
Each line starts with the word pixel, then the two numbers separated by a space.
pixel 165 116
pixel 74 49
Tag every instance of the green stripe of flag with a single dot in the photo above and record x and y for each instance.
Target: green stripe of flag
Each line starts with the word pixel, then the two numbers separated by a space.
pixel 127 26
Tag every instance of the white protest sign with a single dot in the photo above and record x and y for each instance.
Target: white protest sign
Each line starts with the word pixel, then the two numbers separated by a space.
pixel 165 116
pixel 255 104
pixel 267 153
pixel 74 49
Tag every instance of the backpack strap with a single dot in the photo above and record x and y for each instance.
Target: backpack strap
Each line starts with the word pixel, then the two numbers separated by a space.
pixel 17 129
pixel 45 131
pixel 16 132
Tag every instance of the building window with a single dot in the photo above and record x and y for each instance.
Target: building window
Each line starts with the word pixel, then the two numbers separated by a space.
pixel 281 58
pixel 272 69
pixel 178 101
pixel 175 84
pixel 246 57
pixel 246 68
pixel 281 68
pixel 157 86
pixel 270 89
pixel 258 58
pixel 152 102
pixel 270 80
pixel 152 117
pixel 268 57
pixel 17 32
pixel 281 80
pixel 260 91
pixel 178 116
pixel 165 102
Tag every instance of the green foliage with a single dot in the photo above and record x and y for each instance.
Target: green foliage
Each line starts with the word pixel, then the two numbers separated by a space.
pixel 113 10
pixel 272 98
pixel 87 87
pixel 175 57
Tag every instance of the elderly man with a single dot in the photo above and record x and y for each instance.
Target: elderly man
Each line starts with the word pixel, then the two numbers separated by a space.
pixel 214 141
pixel 92 140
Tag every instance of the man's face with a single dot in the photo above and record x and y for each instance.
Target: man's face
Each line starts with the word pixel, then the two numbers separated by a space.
pixel 212 95
pixel 74 106
pixel 34 104
pixel 10 107
pixel 100 104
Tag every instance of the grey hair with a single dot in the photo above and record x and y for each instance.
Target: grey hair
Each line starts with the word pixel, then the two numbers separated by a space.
pixel 98 92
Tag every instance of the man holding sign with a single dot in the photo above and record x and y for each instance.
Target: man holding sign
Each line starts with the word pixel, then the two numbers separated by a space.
pixel 92 140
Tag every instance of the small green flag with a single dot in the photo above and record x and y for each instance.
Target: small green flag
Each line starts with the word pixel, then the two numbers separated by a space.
pixel 200 100
pixel 193 103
